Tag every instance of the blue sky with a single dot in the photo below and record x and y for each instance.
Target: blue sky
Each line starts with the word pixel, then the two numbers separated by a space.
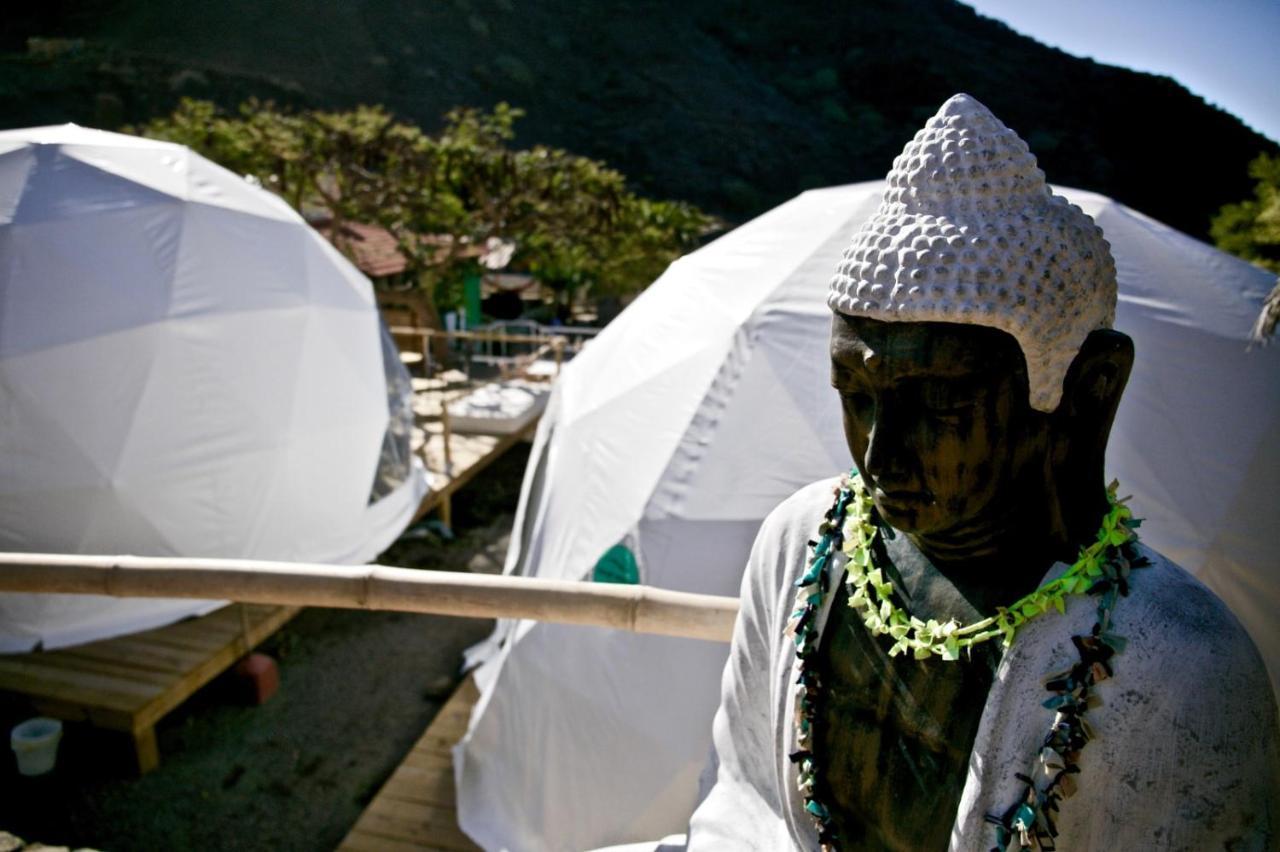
pixel 1226 51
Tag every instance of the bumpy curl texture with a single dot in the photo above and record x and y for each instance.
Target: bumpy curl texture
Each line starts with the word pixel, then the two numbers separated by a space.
pixel 968 232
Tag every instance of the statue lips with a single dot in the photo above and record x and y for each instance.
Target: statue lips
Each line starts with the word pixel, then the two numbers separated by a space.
pixel 900 503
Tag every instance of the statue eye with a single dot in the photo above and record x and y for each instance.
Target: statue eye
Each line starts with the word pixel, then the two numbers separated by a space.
pixel 950 415
pixel 950 411
pixel 948 401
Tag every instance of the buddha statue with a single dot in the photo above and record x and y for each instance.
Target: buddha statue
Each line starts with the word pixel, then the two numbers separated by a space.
pixel 963 643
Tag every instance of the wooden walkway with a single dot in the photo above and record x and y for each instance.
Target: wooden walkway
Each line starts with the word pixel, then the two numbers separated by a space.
pixel 415 810
pixel 469 455
pixel 129 683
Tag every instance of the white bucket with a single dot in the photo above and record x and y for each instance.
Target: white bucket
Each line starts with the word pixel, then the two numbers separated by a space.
pixel 35 743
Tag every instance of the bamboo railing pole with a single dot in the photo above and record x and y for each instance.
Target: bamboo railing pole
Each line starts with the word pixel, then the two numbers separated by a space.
pixel 642 609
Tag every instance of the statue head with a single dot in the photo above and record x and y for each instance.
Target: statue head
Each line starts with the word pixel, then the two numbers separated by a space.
pixel 972 343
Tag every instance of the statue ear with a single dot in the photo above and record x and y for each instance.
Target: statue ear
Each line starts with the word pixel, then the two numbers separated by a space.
pixel 1095 381
pixel 1082 424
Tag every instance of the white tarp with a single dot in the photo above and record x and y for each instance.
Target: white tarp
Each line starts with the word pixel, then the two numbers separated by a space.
pixel 708 401
pixel 186 368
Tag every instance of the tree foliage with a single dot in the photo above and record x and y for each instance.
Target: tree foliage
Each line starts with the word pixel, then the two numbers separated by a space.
pixel 1251 229
pixel 573 220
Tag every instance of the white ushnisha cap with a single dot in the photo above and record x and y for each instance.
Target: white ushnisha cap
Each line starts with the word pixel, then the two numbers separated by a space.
pixel 968 232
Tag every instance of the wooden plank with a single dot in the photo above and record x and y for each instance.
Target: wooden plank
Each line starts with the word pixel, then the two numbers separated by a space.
pixel 214 665
pixel 214 630
pixel 270 621
pixel 29 677
pixel 452 713
pixel 451 722
pixel 433 789
pixel 113 667
pixel 129 683
pixel 426 760
pixel 228 617
pixel 159 660
pixel 463 699
pixel 435 743
pixel 427 824
pixel 146 750
pixel 181 642
pixel 428 828
pixel 359 841
pixel 414 775
pixel 208 635
pixel 409 813
pixel 456 712
pixel 447 731
pixel 200 636
pixel 417 805
pixel 99 717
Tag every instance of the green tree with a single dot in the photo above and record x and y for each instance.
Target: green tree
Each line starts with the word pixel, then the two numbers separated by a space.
pixel 572 219
pixel 1251 229
pixel 646 236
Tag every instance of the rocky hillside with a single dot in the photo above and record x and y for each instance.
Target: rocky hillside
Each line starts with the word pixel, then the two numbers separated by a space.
pixel 732 104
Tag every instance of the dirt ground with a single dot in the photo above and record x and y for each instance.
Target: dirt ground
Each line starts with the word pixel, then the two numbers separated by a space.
pixel 357 689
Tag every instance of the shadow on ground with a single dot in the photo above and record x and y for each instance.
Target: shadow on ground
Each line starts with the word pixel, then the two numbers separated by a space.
pixel 357 689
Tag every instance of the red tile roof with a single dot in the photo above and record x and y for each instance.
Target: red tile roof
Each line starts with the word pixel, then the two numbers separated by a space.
pixel 375 250
pixel 372 249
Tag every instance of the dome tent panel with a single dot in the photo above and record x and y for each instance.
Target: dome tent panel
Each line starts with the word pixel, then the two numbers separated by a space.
pixel 1174 278
pixel 246 394
pixel 163 166
pixel 262 264
pixel 732 462
pixel 210 184
pixel 60 187
pixel 16 162
pixel 332 281
pixel 154 165
pixel 187 368
pixel 1195 445
pixel 341 350
pixel 508 804
pixel 44 385
pixel 84 276
pixel 615 479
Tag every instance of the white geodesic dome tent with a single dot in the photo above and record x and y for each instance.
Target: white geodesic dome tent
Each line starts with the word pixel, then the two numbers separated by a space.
pixel 186 368
pixel 708 401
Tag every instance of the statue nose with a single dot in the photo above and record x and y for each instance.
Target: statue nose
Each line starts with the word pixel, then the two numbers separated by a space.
pixel 887 456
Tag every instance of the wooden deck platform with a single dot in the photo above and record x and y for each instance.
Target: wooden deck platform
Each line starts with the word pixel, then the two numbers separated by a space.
pixel 469 455
pixel 129 683
pixel 415 810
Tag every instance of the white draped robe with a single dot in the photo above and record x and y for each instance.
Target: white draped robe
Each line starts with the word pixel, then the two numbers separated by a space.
pixel 1186 754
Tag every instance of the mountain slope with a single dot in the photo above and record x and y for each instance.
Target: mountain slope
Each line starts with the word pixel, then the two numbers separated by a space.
pixel 731 104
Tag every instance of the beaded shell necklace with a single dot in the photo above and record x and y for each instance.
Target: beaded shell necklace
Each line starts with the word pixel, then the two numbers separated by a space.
pixel 852 526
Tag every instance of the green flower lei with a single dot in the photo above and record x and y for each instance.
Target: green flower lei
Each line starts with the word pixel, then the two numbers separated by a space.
pixel 871 593
pixel 851 526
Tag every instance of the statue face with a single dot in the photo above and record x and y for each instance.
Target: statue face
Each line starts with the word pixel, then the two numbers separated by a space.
pixel 938 420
